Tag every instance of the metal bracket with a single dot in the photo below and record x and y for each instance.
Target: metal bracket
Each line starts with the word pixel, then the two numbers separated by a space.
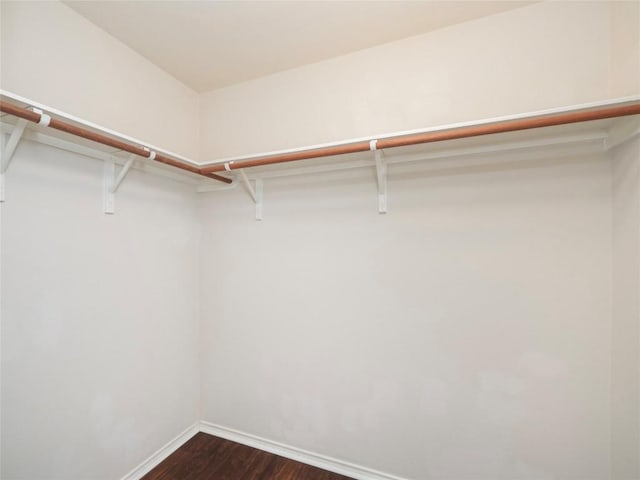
pixel 381 175
pixel 259 198
pixel 111 183
pixel 256 195
pixel 108 197
pixel 248 186
pixel 123 173
pixel 9 150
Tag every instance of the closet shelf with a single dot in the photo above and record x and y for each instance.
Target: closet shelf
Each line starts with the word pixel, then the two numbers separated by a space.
pixel 587 128
pixel 550 118
pixel 38 116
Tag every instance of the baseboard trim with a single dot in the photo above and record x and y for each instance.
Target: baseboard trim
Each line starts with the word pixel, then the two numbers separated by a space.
pixel 321 461
pixel 163 452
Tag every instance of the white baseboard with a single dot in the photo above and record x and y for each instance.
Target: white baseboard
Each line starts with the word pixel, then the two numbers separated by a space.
pixel 321 461
pixel 157 457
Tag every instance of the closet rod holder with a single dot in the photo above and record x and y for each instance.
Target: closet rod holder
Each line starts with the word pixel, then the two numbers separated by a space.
pixel 436 136
pixel 41 119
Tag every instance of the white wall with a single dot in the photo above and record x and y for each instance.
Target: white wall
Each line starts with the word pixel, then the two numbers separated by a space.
pixel 625 398
pixel 99 318
pixel 52 55
pixel 544 55
pixel 549 54
pixel 466 334
pixel 625 48
pixel 473 322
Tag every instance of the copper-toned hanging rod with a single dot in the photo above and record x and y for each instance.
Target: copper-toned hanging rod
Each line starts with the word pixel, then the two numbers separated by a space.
pixel 63 126
pixel 436 136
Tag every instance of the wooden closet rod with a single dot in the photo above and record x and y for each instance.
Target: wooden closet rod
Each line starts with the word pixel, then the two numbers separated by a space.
pixel 63 126
pixel 436 136
pixel 362 146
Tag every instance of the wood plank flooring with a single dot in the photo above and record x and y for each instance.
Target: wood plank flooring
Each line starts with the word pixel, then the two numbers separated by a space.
pixel 205 457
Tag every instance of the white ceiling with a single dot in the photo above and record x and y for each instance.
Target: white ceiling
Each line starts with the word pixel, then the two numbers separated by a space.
pixel 211 44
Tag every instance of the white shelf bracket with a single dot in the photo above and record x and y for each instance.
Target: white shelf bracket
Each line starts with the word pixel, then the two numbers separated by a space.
pixel 259 192
pixel 8 150
pixel 123 173
pixel 247 185
pixel 108 197
pixel 111 182
pixel 381 176
pixel 256 194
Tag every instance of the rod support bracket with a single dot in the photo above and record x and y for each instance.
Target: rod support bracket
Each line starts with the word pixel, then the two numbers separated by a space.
pixel 381 177
pixel 117 181
pixel 152 153
pixel 8 150
pixel 259 198
pixel 247 185
pixel 45 119
pixel 111 182
pixel 108 195
pixel 254 193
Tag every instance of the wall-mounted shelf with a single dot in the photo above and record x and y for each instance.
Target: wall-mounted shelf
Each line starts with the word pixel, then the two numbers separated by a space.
pixel 585 129
pixel 586 138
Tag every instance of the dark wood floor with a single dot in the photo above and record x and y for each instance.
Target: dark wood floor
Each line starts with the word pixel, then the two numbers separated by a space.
pixel 205 457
